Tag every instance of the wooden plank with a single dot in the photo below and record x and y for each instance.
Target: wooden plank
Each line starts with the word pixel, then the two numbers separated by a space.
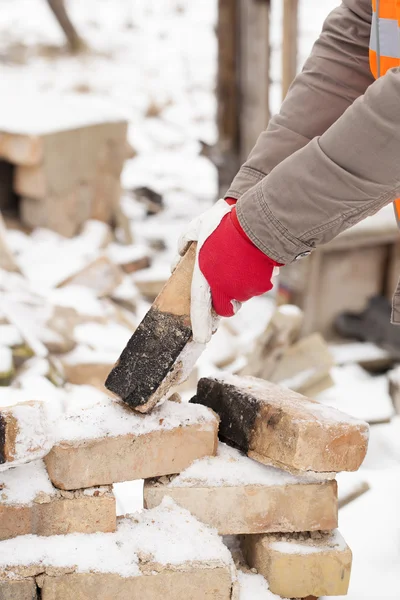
pixel 254 71
pixel 289 43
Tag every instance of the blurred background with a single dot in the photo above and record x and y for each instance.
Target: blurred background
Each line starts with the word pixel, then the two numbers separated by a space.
pixel 120 121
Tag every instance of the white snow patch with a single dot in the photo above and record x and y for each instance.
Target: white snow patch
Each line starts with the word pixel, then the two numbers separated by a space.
pixel 168 533
pixel 47 113
pixel 334 542
pixel 10 336
pixel 361 395
pixel 21 485
pixel 111 337
pixel 230 468
pixel 90 415
pixel 357 352
pixel 254 587
pixel 123 255
pixel 6 360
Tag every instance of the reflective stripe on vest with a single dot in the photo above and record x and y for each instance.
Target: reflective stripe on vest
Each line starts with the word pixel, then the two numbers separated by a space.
pixel 384 48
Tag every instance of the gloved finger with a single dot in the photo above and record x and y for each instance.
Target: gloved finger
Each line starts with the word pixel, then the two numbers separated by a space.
pixel 200 310
pixel 211 220
pixel 222 304
pixel 190 235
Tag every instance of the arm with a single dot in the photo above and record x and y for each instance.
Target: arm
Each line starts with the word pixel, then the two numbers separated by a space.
pixel 336 73
pixel 337 180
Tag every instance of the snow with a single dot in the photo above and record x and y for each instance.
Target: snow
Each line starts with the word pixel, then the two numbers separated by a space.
pixel 332 542
pixel 78 297
pixel 356 392
pixel 111 337
pixel 357 352
pixel 10 336
pixel 123 255
pixel 6 361
pixel 230 468
pixel 34 436
pixel 168 534
pixel 50 112
pixel 91 415
pixel 254 587
pixel 21 485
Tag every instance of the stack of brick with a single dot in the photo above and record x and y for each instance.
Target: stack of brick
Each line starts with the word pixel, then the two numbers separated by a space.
pixel 276 491
pixel 63 485
pixel 283 503
pixel 65 159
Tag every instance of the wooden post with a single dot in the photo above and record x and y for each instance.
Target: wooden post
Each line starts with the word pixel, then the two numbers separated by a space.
pixel 243 82
pixel 227 158
pixel 289 43
pixel 254 72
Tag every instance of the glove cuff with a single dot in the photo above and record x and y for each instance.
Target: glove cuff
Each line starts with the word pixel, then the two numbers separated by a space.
pixel 239 228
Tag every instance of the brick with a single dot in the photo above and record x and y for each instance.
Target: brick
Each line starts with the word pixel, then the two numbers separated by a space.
pixel 14 589
pixel 87 373
pixel 150 287
pixel 29 504
pixel 84 150
pixel 31 182
pixel 101 275
pixel 24 430
pixel 296 568
pixel 25 150
pixel 277 426
pixel 305 366
pixel 128 564
pixel 106 195
pixel 45 212
pixel 282 330
pixel 126 446
pixel 236 495
pixel 161 353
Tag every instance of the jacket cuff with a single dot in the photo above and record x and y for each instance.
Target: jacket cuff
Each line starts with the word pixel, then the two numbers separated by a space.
pixel 266 232
pixel 244 181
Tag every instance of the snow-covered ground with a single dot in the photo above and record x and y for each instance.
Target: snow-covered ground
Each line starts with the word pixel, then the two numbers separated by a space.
pixel 156 61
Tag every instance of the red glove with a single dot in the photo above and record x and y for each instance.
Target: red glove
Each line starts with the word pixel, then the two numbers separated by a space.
pixel 233 266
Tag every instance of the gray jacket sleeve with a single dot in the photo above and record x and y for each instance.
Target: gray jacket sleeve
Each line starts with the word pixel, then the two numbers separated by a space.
pixel 337 179
pixel 336 73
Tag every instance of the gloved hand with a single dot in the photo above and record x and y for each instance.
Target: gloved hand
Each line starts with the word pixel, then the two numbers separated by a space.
pixel 229 268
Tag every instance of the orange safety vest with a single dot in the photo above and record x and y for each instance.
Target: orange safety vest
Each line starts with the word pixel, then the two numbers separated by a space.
pixel 384 48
